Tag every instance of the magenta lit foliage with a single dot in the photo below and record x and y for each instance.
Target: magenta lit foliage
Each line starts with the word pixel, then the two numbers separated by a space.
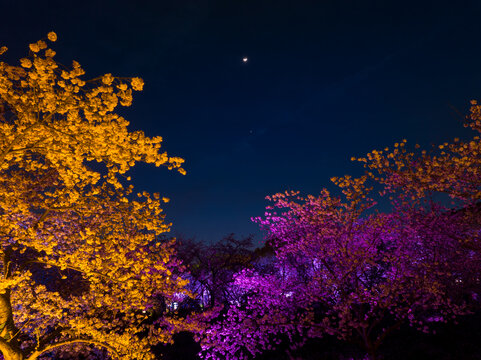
pixel 345 270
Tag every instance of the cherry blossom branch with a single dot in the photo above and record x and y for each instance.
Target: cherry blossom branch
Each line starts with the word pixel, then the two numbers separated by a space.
pixel 48 348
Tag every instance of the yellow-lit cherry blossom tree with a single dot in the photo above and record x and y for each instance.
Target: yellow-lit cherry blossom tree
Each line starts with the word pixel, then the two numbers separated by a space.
pixel 80 259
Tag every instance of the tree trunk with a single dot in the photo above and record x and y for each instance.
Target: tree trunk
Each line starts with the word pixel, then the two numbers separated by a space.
pixel 369 346
pixel 372 354
pixel 292 357
pixel 8 352
pixel 7 330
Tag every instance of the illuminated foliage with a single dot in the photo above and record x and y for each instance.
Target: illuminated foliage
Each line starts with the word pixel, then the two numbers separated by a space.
pixel 81 261
pixel 345 269
pixel 450 168
pixel 341 272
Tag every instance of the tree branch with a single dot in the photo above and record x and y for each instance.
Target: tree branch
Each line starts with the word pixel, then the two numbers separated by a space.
pixel 9 353
pixel 48 348
pixel 76 269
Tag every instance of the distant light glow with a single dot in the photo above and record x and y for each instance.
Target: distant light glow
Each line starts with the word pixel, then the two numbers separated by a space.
pixel 244 59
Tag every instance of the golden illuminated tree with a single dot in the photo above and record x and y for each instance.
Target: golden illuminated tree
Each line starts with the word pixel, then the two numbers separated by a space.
pixel 446 177
pixel 81 263
pixel 449 169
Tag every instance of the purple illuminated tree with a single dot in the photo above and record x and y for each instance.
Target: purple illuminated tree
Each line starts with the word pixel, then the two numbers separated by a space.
pixel 346 270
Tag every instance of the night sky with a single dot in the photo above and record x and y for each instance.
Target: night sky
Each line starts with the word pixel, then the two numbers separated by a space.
pixel 324 81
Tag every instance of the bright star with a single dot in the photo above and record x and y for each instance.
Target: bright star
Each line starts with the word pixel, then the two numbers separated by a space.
pixel 244 59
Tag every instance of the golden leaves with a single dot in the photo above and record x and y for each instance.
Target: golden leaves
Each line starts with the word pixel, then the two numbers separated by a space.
pixel 50 53
pixel 107 79
pixel 81 220
pixel 34 47
pixel 39 45
pixel 52 36
pixel 26 63
pixel 450 168
pixel 137 84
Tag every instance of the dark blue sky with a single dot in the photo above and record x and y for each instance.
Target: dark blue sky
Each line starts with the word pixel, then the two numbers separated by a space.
pixel 325 80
